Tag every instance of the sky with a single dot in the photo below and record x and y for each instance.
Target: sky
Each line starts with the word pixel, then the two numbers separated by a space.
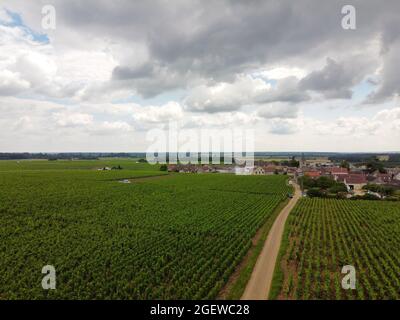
pixel 113 71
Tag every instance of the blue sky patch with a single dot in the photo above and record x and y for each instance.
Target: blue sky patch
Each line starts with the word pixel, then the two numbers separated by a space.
pixel 17 22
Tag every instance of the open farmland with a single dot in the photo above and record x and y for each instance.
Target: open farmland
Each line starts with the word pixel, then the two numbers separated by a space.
pixel 173 237
pixel 323 235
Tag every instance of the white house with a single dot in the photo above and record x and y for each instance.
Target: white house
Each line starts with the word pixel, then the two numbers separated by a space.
pixel 259 171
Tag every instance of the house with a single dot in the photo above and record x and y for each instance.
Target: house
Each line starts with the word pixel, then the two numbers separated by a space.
pixel 269 170
pixel 259 171
pixel 336 171
pixel 243 170
pixel 318 162
pixel 355 183
pixel 312 174
pixel 173 168
pixel 204 169
pixel 383 178
pixel 291 171
pixel 104 169
pixel 224 169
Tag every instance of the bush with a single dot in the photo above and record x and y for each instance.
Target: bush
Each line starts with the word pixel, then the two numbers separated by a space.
pixel 315 192
pixel 367 196
pixel 338 187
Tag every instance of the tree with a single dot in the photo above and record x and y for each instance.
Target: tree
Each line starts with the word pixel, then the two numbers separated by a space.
pixel 294 163
pixel 307 182
pixel 315 192
pixel 345 164
pixel 382 190
pixel 325 182
pixel 375 165
pixel 338 188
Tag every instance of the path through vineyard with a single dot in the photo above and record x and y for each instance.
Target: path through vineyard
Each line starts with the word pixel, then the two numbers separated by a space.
pixel 260 281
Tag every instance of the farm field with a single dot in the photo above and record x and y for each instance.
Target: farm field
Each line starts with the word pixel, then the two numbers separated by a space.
pixel 323 235
pixel 174 237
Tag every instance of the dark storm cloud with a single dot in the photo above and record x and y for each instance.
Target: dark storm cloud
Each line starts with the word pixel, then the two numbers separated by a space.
pixel 203 40
pixel 335 80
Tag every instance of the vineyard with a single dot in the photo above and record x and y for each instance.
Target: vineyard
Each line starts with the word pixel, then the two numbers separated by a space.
pixel 175 237
pixel 323 235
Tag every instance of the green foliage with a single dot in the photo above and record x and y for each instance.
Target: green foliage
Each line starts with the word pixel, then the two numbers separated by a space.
pixel 315 192
pixel 127 164
pixel 366 196
pixel 374 165
pixel 322 186
pixel 325 182
pixel 175 237
pixel 345 164
pixel 291 163
pixel 163 167
pixel 338 188
pixel 326 234
pixel 381 189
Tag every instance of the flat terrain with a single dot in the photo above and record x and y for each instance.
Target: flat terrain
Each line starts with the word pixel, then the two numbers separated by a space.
pixel 323 235
pixel 179 237
pixel 260 282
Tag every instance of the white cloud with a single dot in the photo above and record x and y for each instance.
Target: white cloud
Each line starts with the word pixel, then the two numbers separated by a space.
pixel 249 67
pixel 221 120
pixel 278 110
pixel 244 91
pixel 110 128
pixel 11 83
pixel 284 126
pixel 153 114
pixel 68 119
pixel 281 73
pixel 4 17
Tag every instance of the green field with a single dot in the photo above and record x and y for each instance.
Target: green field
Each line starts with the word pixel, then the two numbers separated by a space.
pixel 323 235
pixel 170 237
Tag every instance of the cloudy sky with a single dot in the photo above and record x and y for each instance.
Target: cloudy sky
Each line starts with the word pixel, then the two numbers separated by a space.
pixel 113 70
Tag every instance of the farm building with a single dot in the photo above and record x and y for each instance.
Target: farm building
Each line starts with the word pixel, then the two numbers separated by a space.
pixel 338 171
pixel 355 183
pixel 312 174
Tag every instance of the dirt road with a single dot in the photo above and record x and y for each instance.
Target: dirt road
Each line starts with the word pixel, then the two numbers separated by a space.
pixel 260 281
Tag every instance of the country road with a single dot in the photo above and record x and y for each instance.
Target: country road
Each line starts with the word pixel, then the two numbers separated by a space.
pixel 261 278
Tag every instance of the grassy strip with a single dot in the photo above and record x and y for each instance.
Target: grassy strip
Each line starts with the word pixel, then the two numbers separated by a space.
pixel 279 276
pixel 236 289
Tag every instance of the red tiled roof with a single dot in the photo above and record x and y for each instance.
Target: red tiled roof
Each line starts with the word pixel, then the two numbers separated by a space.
pixel 339 171
pixel 384 177
pixel 312 174
pixel 356 179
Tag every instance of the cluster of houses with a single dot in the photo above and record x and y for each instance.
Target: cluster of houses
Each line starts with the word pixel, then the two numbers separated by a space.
pixel 205 168
pixel 355 178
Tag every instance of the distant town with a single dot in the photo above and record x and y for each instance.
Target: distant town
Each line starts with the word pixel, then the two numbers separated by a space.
pixel 369 178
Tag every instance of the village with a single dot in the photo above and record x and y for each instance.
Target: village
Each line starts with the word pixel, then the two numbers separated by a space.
pixel 359 179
